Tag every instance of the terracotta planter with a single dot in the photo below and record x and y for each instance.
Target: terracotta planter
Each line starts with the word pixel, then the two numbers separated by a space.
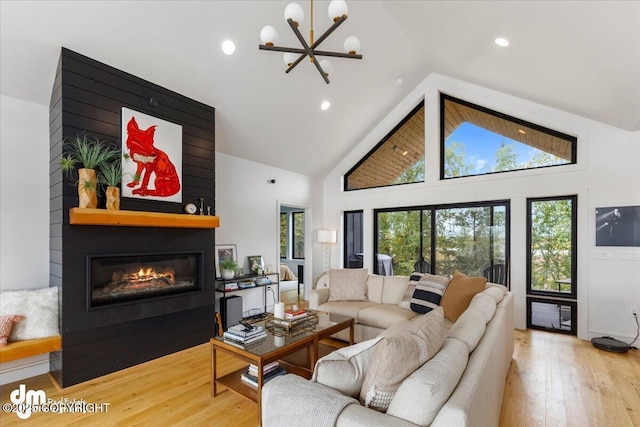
pixel 113 198
pixel 87 186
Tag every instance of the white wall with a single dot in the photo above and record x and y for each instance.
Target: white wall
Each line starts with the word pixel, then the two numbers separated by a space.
pixel 24 211
pixel 607 173
pixel 249 210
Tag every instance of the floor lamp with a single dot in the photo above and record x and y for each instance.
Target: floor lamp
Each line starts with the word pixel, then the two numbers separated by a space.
pixel 326 237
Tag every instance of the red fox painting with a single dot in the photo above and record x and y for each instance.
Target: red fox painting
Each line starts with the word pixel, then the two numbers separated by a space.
pixel 150 161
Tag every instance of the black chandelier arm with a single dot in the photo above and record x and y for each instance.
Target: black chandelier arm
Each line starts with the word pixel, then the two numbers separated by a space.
pixel 307 50
pixel 315 52
pixel 330 30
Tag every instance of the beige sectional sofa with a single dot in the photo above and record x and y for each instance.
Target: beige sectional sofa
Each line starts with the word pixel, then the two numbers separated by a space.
pixel 462 385
pixel 383 310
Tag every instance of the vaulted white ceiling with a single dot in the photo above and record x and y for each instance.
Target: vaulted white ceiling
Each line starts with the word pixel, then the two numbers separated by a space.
pixel 582 57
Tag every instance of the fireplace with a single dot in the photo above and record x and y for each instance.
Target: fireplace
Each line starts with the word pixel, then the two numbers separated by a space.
pixel 122 278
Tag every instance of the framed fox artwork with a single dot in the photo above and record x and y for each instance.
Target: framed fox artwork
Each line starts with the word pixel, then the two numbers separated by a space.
pixel 151 157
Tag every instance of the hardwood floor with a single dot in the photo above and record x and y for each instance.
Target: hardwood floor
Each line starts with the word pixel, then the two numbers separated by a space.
pixel 554 380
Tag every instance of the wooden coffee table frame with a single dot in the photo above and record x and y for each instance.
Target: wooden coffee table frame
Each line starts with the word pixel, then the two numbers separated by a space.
pixel 233 382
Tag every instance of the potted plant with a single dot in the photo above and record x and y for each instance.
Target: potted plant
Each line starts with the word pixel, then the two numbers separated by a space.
pixel 91 153
pixel 110 176
pixel 228 268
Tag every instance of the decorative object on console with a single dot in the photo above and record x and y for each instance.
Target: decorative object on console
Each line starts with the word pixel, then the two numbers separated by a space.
pixel 228 268
pixel 92 153
pixel 190 208
pixel 256 264
pixel 294 15
pixel 224 252
pixel 154 147
pixel 327 237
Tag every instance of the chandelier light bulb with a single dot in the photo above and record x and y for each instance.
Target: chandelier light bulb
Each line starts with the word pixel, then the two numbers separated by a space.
pixel 337 8
pixel 352 45
pixel 325 105
pixel 269 35
pixel 327 67
pixel 294 12
pixel 290 58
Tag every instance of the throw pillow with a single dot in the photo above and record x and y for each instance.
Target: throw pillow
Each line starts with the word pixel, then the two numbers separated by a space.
pixel 6 324
pixel 396 357
pixel 344 369
pixel 428 293
pixel 348 284
pixel 408 293
pixel 458 294
pixel 39 308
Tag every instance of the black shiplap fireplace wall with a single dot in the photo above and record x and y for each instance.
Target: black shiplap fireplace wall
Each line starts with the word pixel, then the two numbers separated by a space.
pixel 88 96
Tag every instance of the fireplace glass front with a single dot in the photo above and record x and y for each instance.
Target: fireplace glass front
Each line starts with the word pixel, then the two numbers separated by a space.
pixel 121 278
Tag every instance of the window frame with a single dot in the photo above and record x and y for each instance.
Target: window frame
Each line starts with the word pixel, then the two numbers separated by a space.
pixel 444 97
pixel 573 295
pixel 345 240
pixel 293 234
pixel 434 208
pixel 284 238
pixel 380 144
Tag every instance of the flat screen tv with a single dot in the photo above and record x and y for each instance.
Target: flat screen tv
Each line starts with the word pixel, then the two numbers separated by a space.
pixel 618 226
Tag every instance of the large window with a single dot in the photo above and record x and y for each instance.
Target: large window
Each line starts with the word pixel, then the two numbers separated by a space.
pixel 297 237
pixel 477 141
pixel 397 159
pixel 353 252
pixel 470 238
pixel 551 263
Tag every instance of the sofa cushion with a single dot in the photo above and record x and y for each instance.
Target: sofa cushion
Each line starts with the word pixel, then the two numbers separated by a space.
pixel 469 328
pixel 432 383
pixel 39 308
pixel 384 316
pixel 458 294
pixel 348 284
pixel 421 339
pixel 346 308
pixel 484 304
pixel 393 290
pixel 344 369
pixel 497 292
pixel 374 288
pixel 428 293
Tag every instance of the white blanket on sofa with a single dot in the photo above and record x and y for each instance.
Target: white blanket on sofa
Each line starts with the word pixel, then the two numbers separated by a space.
pixel 298 392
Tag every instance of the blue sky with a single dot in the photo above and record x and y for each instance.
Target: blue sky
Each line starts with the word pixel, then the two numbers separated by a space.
pixel 481 146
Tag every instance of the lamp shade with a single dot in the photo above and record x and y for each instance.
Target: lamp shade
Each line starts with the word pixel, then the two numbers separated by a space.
pixel 294 12
pixel 351 45
pixel 290 58
pixel 269 35
pixel 327 236
pixel 327 66
pixel 337 8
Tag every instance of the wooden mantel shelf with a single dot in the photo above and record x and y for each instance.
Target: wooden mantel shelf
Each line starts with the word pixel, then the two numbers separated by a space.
pixel 86 216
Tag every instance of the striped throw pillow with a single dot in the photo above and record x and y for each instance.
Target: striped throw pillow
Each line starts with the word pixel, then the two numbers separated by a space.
pixel 428 293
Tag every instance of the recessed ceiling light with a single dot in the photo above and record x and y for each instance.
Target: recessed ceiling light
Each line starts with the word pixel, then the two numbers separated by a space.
pixel 522 131
pixel 325 105
pixel 501 41
pixel 399 81
pixel 228 47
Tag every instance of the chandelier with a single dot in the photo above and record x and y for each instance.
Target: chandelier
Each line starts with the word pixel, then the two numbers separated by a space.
pixel 294 15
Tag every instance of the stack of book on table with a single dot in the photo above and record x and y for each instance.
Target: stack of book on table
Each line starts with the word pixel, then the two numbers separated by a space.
pixel 294 314
pixel 243 336
pixel 270 371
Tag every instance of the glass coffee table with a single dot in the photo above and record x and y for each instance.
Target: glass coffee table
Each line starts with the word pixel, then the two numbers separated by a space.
pixel 275 347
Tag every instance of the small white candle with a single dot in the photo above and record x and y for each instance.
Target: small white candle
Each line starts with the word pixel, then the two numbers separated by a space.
pixel 278 341
pixel 278 310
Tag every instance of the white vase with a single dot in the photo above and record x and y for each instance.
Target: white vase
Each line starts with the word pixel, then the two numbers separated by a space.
pixel 227 274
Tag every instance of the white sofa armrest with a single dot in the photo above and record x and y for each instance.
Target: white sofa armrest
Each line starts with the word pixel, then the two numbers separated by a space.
pixel 317 297
pixel 358 416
